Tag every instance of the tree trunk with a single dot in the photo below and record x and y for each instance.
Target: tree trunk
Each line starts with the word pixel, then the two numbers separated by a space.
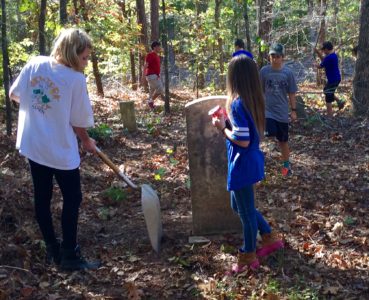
pixel 218 3
pixel 4 46
pixel 95 64
pixel 63 12
pixel 122 5
pixel 166 68
pixel 247 25
pixel 336 38
pixel 141 20
pixel 75 6
pixel 154 18
pixel 264 26
pixel 201 6
pixel 361 83
pixel 321 37
pixel 322 29
pixel 96 71
pixel 41 28
pixel 133 69
pixel 311 30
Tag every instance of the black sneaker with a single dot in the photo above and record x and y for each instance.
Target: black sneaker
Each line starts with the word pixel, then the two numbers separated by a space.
pixel 53 253
pixel 340 104
pixel 72 260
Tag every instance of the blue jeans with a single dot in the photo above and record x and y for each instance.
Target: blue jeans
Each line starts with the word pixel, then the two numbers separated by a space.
pixel 242 202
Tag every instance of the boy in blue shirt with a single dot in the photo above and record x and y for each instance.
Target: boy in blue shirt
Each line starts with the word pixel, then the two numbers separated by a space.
pixel 330 64
pixel 239 47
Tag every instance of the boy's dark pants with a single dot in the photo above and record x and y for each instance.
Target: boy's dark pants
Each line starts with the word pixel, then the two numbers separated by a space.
pixel 329 90
pixel 70 186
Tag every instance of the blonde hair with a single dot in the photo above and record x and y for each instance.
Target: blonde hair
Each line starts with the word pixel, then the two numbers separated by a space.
pixel 243 81
pixel 68 45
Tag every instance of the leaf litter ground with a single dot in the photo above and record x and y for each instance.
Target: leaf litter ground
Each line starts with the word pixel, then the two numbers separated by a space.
pixel 321 210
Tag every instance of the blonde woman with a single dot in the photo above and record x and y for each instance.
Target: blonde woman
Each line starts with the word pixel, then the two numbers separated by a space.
pixel 54 110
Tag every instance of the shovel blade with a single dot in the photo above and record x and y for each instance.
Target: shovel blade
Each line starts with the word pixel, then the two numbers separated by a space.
pixel 152 214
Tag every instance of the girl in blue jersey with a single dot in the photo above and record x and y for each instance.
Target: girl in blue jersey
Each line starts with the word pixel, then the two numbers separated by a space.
pixel 246 109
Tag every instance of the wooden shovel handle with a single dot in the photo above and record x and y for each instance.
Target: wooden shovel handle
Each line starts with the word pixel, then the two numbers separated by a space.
pixel 107 160
pixel 116 170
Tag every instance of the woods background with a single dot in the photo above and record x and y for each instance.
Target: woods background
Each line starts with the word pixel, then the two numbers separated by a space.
pixel 197 37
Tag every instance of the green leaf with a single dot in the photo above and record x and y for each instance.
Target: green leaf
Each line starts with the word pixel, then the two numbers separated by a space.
pixel 173 161
pixel 115 194
pixel 349 221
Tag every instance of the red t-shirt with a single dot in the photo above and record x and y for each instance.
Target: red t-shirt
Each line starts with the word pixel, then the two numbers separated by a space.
pixel 153 64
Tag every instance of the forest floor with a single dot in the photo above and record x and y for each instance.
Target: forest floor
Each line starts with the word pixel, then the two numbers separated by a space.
pixel 322 212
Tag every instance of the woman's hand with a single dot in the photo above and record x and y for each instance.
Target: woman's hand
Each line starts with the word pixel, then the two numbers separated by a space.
pixel 219 122
pixel 89 145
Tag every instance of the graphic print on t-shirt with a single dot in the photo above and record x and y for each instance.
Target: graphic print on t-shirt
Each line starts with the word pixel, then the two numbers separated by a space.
pixel 275 85
pixel 44 91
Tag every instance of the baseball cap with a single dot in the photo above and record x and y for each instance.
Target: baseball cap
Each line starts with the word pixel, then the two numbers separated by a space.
pixel 327 45
pixel 276 48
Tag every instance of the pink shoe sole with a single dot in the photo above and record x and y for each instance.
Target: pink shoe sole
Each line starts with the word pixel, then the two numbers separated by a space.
pixel 265 251
pixel 253 266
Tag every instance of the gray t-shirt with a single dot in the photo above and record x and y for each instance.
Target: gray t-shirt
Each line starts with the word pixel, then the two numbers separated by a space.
pixel 277 84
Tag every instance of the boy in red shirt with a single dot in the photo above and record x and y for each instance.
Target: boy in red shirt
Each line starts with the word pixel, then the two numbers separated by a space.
pixel 152 73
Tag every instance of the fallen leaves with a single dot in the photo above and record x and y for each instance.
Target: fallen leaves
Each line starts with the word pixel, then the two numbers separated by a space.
pixel 321 212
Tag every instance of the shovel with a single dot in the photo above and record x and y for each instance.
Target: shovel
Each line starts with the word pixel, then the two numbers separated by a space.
pixel 149 201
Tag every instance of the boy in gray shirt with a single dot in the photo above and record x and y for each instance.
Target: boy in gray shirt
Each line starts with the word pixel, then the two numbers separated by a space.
pixel 279 86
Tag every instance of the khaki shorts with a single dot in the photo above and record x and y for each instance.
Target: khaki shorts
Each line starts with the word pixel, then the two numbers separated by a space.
pixel 155 85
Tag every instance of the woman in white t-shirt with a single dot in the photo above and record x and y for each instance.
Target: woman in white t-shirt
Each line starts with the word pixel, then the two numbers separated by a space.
pixel 54 110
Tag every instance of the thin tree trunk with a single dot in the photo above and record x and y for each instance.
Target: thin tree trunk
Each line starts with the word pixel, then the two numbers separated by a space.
pixel 95 70
pixel 247 24
pixel 141 20
pixel 133 69
pixel 4 46
pixel 154 17
pixel 201 6
pixel 264 17
pixel 361 83
pixel 166 68
pixel 75 6
pixel 95 64
pixel 323 12
pixel 122 5
pixel 41 28
pixel 321 37
pixel 218 3
pixel 63 12
pixel 310 13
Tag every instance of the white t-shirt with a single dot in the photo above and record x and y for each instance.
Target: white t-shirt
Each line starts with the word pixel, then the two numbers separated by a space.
pixel 53 98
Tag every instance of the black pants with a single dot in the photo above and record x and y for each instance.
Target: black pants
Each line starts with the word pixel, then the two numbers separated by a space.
pixel 329 90
pixel 70 186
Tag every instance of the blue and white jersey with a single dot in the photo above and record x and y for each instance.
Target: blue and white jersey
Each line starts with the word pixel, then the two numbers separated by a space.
pixel 244 52
pixel 245 165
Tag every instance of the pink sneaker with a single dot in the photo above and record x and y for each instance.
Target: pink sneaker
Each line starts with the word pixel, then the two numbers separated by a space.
pixel 269 244
pixel 245 261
